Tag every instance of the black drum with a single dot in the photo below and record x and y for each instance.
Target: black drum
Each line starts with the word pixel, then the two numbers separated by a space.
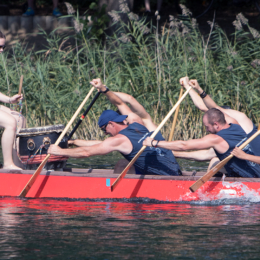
pixel 34 143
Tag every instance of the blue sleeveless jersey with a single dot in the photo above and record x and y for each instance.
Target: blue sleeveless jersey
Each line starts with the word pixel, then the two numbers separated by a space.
pixel 235 136
pixel 255 144
pixel 153 160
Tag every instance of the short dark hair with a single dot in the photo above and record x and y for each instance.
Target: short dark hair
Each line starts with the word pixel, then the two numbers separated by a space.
pixel 2 35
pixel 215 115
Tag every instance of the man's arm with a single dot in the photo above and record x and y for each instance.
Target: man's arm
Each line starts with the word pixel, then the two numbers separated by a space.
pixel 79 142
pixel 208 101
pixel 118 143
pixel 197 100
pixel 208 141
pixel 244 156
pixel 231 116
pixel 115 100
pixel 240 118
pixel 138 109
pixel 202 155
pixel 11 100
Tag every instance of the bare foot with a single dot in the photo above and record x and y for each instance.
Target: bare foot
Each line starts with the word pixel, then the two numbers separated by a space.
pixel 12 167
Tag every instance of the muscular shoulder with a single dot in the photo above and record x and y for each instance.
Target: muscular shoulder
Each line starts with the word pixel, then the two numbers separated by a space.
pixel 217 142
pixel 212 139
pixel 119 143
pixel 115 140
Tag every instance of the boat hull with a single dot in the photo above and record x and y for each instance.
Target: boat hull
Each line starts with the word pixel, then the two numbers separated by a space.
pixel 95 184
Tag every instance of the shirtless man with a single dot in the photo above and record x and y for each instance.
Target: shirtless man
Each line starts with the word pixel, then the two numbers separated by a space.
pixel 223 139
pixel 8 120
pixel 126 138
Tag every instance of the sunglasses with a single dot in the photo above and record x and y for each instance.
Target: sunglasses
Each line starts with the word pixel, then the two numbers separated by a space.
pixel 103 128
pixel 2 47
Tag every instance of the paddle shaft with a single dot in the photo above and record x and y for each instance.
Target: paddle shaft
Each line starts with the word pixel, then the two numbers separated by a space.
pixel 83 116
pixel 20 86
pixel 39 169
pixel 175 118
pixel 216 168
pixel 122 175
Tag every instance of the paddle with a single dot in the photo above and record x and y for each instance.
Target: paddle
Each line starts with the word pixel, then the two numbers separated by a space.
pixel 83 116
pixel 39 169
pixel 175 117
pixel 20 86
pixel 121 176
pixel 216 168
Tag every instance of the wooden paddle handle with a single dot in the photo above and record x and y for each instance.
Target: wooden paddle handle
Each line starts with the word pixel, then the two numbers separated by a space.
pixel 122 175
pixel 39 169
pixel 175 117
pixel 33 178
pixel 20 86
pixel 220 165
pixel 83 116
pixel 170 113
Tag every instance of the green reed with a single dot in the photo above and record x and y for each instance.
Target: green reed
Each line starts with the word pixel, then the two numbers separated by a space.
pixel 140 59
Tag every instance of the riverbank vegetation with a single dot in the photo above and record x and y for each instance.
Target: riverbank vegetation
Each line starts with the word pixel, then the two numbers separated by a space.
pixel 140 59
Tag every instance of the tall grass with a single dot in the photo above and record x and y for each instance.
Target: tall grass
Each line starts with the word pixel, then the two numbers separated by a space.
pixel 143 60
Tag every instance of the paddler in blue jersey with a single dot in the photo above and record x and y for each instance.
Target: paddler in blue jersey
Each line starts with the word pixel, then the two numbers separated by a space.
pixel 127 132
pixel 204 102
pixel 223 139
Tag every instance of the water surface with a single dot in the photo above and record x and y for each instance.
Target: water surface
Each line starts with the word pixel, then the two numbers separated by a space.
pixel 60 229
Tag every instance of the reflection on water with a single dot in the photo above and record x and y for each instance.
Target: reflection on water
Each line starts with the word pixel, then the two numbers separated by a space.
pixel 59 229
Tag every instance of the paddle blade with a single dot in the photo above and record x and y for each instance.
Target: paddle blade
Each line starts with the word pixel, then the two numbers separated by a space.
pixel 209 174
pixel 120 177
pixel 196 185
pixel 33 178
pixel 202 180
pixel 124 172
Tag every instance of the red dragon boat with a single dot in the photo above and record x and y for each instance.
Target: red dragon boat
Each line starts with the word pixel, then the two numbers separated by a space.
pixel 59 182
pixel 95 184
